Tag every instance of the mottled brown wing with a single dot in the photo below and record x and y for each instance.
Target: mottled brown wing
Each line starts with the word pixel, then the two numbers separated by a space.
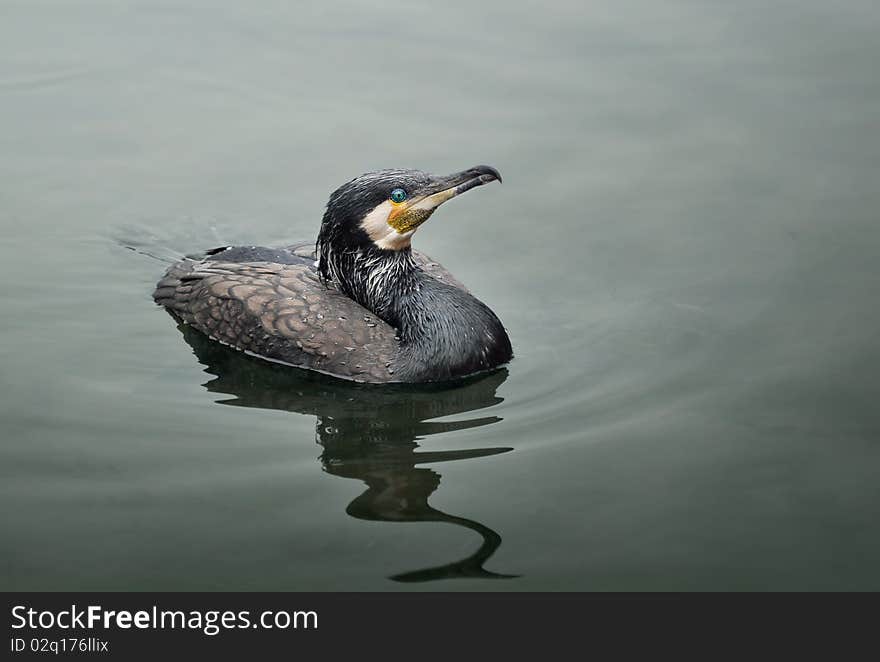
pixel 281 312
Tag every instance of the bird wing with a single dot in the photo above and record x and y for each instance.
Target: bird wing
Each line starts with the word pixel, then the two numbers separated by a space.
pixel 280 312
pixel 270 303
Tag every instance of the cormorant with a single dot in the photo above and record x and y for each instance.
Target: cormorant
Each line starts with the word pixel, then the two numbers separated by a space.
pixel 362 305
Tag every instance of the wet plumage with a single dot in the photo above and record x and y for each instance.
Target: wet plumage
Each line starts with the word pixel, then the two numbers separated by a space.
pixel 363 305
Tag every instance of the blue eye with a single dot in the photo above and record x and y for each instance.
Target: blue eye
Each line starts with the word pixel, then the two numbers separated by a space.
pixel 398 195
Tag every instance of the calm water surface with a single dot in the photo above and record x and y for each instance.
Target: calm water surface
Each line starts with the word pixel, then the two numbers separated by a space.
pixel 685 251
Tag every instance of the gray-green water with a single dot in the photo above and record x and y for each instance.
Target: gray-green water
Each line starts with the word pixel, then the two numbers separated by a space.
pixel 685 251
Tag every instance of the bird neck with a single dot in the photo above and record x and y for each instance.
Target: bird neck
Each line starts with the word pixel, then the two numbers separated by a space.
pixel 444 331
pixel 374 278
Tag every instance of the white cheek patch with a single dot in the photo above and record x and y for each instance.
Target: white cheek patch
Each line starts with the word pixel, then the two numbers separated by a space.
pixel 395 241
pixel 375 224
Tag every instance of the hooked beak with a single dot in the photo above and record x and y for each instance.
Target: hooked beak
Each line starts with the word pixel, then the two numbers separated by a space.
pixel 411 214
pixel 452 185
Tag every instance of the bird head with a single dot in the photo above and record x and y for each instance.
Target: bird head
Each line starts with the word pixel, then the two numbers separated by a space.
pixel 383 209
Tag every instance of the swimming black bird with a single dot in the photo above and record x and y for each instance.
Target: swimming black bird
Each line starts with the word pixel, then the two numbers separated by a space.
pixel 363 305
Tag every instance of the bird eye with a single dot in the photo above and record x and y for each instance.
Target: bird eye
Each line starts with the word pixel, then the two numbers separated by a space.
pixel 398 195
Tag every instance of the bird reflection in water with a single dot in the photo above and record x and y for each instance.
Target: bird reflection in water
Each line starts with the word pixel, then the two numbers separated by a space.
pixel 370 433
